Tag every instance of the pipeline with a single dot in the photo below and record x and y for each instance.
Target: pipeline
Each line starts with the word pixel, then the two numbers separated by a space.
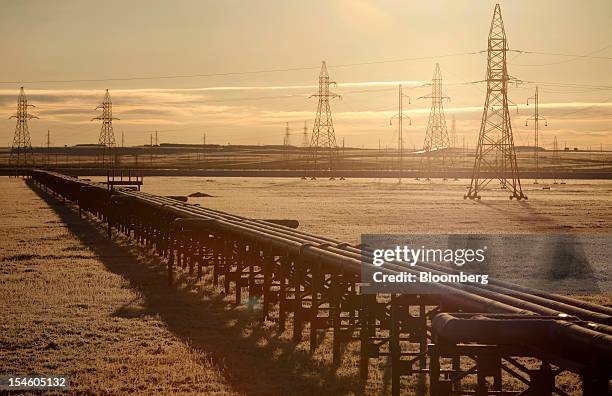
pixel 513 295
pixel 554 321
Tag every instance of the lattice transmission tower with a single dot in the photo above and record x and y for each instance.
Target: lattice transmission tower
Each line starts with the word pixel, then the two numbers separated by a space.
pixel 495 154
pixel 536 131
pixel 400 131
pixel 305 140
pixel 323 139
pixel 286 143
pixel 556 160
pixel 555 157
pixel 107 136
pixel 437 142
pixel 453 133
pixel 455 159
pixel 305 146
pixel 22 145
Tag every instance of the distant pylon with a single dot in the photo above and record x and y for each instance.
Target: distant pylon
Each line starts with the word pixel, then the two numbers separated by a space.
pixel 323 137
pixel 437 141
pixel 286 144
pixel 495 154
pixel 22 145
pixel 342 158
pixel 204 147
pixel 305 141
pixel 536 131
pixel 107 136
pixel 454 141
pixel 400 131
pixel 556 160
pixel 48 156
pixel 305 145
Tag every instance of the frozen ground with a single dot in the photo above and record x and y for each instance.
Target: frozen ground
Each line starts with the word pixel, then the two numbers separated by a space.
pixel 100 311
pixel 345 209
pixel 70 307
pixel 75 303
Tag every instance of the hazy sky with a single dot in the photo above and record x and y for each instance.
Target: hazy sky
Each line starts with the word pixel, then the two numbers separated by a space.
pixel 74 40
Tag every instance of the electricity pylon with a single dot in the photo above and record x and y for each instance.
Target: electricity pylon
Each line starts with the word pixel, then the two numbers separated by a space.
pixel 286 145
pixel 400 131
pixel 342 159
pixel 536 131
pixel 495 154
pixel 22 145
pixel 305 144
pixel 305 135
pixel 454 140
pixel 107 136
pixel 204 147
pixel 48 156
pixel 323 137
pixel 453 134
pixel 437 141
pixel 556 160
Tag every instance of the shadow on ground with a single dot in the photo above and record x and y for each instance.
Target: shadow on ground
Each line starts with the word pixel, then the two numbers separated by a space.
pixel 251 354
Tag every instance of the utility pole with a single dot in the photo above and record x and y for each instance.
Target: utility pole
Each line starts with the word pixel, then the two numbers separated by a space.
pixel 454 144
pixel 305 135
pixel 285 156
pixel 22 145
pixel 556 160
pixel 463 151
pixel 536 130
pixel 156 141
pixel 151 151
pixel 453 132
pixel 343 158
pixel 122 140
pixel 107 136
pixel 495 138
pixel 400 131
pixel 305 147
pixel 204 147
pixel 323 136
pixel 437 141
pixel 48 159
pixel 378 167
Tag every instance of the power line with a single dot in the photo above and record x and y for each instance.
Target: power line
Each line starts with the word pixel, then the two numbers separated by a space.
pixel 276 70
pixel 302 68
pixel 588 107
pixel 566 85
pixel 587 55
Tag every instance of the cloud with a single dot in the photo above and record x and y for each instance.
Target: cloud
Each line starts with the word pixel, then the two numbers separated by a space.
pixel 153 112
pixel 247 113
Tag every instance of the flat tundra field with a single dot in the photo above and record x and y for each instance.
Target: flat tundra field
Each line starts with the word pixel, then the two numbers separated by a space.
pixel 100 311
